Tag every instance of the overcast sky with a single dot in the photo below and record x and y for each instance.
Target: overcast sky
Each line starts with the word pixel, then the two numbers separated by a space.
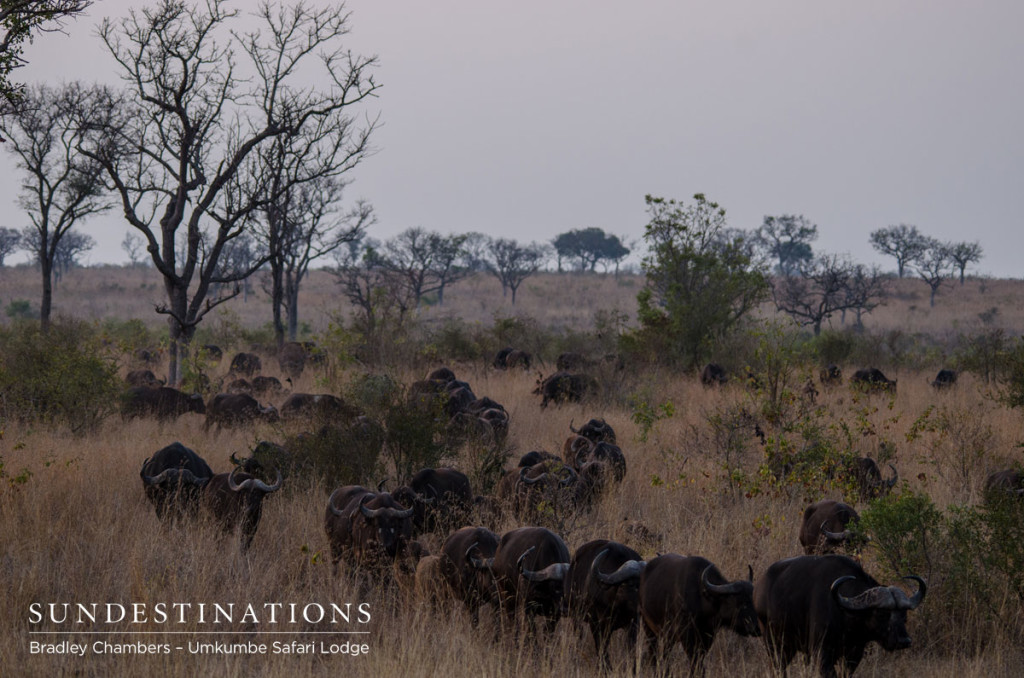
pixel 531 118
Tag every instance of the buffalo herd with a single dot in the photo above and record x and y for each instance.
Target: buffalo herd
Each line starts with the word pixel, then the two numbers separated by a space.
pixel 822 604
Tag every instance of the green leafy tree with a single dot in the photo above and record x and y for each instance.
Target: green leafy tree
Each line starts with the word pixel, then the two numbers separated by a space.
pixel 787 241
pixel 701 280
pixel 903 242
pixel 590 246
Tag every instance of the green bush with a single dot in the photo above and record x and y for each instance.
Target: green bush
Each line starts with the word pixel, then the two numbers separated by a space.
pixel 60 378
pixel 19 308
pixel 906 532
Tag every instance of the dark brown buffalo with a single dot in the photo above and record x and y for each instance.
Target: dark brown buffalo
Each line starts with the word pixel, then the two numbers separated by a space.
pixel 685 599
pixel 713 374
pixel 291 358
pixel 872 380
pixel 830 375
pixel 163 403
pixel 464 558
pixel 508 358
pixel 944 379
pixel 603 452
pixel 868 477
pixel 483 404
pixel 173 479
pixel 211 352
pixel 240 386
pixel 1006 483
pixel 246 364
pixel 439 497
pixel 369 528
pixel 828 608
pixel 143 378
pixel 236 409
pixel 235 499
pixel 529 569
pixel 535 457
pixel 263 386
pixel 602 591
pixel 321 406
pixel 596 431
pixel 443 374
pixel 825 526
pixel 565 387
pixel 548 487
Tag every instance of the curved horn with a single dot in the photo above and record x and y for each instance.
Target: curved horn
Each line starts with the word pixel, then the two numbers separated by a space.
pixel 235 460
pixel 835 536
pixel 380 485
pixel 570 477
pixel 720 589
pixel 255 483
pixel 878 597
pixel 922 588
pixel 330 504
pixel 161 477
pixel 628 571
pixel 530 481
pixel 478 563
pixel 895 477
pixel 554 571
pixel 571 428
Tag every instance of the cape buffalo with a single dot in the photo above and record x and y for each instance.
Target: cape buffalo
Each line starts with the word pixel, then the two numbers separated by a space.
pixel 371 528
pixel 439 497
pixel 830 375
pixel 595 430
pixel 601 591
pixel 529 569
pixel 870 483
pixel 143 378
pixel 686 600
pixel 828 608
pixel 232 409
pixel 444 374
pixel 173 478
pixel 291 358
pixel 944 379
pixel 713 374
pixel 1006 483
pixel 824 527
pixel 565 387
pixel 236 499
pixel 163 403
pixel 466 557
pixel 246 364
pixel 872 380
pixel 263 386
pixel 508 358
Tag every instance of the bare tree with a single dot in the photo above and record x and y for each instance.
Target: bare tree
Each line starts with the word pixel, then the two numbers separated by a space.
pixel 203 98
pixel 60 187
pixel 903 242
pixel 816 292
pixel 10 242
pixel 377 293
pixel 71 247
pixel 865 290
pixel 934 266
pixel 134 246
pixel 19 19
pixel 426 261
pixel 449 262
pixel 963 254
pixel 512 263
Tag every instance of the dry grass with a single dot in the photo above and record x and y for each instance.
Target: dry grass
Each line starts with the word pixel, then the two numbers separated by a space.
pixel 80 530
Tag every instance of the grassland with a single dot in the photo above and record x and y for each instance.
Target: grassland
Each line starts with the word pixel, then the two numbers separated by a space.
pixel 76 527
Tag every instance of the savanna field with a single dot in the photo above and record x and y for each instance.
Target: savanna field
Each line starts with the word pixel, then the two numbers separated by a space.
pixel 75 525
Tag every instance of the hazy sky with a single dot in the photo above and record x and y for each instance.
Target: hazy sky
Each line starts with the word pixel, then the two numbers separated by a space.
pixel 528 119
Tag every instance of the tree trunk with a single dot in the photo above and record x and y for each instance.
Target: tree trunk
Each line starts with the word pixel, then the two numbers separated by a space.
pixel 277 300
pixel 46 303
pixel 817 327
pixel 514 295
pixel 932 300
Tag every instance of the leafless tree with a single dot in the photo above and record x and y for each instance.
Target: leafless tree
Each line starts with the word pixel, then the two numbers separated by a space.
pixel 379 296
pixel 818 290
pixel 60 186
pixel 934 266
pixel 134 246
pixel 10 242
pixel 962 254
pixel 425 261
pixel 71 247
pixel 865 290
pixel 512 263
pixel 19 19
pixel 203 98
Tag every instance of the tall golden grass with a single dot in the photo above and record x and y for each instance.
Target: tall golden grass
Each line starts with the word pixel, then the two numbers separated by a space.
pixel 79 529
pixel 76 527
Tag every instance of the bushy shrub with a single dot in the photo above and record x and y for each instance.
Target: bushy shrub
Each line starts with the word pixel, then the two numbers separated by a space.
pixel 61 377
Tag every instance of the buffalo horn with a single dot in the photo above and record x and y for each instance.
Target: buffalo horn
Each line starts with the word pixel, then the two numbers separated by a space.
pixel 380 485
pixel 629 570
pixel 235 460
pixel 878 597
pixel 719 589
pixel 330 504
pixel 555 571
pixel 571 427
pixel 922 589
pixel 161 477
pixel 836 536
pixel 895 477
pixel 399 514
pixel 478 563
pixel 530 481
pixel 254 483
